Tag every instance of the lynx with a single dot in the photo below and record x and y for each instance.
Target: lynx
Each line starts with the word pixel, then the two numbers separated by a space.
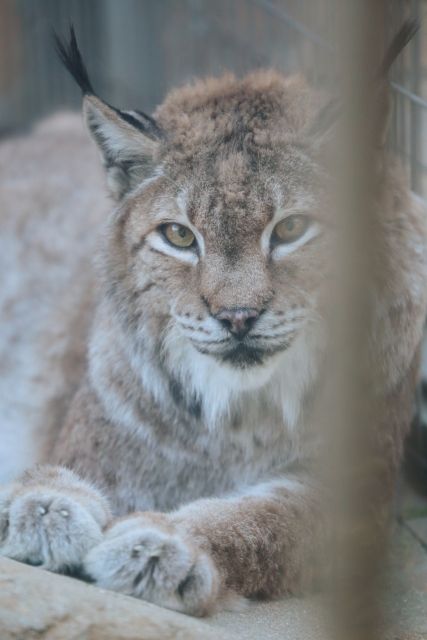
pixel 180 473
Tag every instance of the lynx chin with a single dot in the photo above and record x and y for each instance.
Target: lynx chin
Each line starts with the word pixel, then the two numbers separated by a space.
pixel 173 452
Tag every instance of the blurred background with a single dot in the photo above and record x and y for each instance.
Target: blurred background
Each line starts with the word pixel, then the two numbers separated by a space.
pixel 136 50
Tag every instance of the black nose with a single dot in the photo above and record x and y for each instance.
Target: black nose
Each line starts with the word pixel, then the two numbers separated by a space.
pixel 238 321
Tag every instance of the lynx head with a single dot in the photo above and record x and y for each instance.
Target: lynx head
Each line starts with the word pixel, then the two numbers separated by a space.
pixel 216 248
pixel 218 210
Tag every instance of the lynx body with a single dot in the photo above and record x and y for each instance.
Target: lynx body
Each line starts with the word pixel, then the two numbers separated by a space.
pixel 179 472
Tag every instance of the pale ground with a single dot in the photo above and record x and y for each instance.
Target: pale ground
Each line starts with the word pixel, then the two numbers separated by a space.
pixel 406 601
pixel 304 619
pixel 36 604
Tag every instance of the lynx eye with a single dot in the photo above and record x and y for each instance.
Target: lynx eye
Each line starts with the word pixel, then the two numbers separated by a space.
pixel 290 229
pixel 178 235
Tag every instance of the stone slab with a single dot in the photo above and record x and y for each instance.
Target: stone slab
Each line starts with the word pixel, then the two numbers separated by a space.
pixel 35 604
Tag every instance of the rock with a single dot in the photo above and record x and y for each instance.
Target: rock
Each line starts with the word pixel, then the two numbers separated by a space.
pixel 36 604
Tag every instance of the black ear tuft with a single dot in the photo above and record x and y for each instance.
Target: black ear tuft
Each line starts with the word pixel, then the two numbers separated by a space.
pixel 71 57
pixel 330 113
pixel 405 34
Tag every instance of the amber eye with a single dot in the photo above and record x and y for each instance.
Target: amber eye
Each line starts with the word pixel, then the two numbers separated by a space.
pixel 290 229
pixel 178 235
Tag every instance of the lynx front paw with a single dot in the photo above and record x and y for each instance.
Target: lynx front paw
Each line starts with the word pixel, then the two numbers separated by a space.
pixel 52 527
pixel 149 560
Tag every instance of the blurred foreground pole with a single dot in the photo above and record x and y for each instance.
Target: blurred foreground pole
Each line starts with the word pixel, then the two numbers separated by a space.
pixel 352 464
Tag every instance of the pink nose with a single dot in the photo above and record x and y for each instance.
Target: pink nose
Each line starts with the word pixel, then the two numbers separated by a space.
pixel 238 321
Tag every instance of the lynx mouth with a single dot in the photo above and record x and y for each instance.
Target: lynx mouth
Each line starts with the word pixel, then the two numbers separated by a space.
pixel 250 352
pixel 244 355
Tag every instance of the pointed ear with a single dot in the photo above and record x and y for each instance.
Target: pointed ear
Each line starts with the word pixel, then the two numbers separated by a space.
pixel 128 143
pixel 128 140
pixel 326 121
pixel 408 30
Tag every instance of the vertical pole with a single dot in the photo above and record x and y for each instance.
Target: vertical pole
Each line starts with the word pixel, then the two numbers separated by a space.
pixel 355 470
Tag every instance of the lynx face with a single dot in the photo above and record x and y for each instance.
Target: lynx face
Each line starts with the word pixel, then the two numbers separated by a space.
pixel 217 241
pixel 232 265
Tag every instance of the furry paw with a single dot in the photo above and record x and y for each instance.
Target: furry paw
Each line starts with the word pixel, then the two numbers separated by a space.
pixel 51 525
pixel 144 557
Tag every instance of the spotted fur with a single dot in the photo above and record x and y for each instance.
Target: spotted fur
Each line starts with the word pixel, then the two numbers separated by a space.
pixel 199 443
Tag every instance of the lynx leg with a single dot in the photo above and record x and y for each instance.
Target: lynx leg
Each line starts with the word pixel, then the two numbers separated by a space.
pixel 210 553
